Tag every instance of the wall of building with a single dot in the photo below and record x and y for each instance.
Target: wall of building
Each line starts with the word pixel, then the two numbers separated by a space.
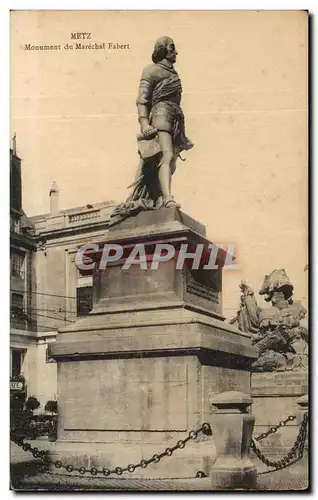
pixel 55 279
pixel 44 281
pixel 46 373
pixel 56 273
pixel 23 341
pixel 39 371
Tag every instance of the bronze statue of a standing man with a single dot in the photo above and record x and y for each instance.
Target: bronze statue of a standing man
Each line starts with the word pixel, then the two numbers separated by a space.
pixel 162 136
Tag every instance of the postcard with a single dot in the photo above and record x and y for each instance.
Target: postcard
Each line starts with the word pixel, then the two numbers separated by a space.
pixel 159 250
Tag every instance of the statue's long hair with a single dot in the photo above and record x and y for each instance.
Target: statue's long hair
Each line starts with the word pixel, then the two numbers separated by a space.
pixel 159 53
pixel 160 50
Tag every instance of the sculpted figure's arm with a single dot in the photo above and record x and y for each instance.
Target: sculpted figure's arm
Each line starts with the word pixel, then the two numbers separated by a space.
pixel 146 86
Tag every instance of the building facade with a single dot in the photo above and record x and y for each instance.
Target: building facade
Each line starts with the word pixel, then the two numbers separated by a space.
pixel 23 331
pixel 47 290
pixel 62 291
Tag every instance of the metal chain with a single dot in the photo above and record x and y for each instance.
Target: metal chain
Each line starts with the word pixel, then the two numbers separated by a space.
pixel 274 428
pixel 46 461
pixel 296 451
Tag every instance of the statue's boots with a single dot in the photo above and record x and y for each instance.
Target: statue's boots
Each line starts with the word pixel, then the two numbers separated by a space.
pixel 170 202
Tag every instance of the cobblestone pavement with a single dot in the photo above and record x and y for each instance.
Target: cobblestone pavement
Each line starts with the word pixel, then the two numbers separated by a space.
pixel 26 476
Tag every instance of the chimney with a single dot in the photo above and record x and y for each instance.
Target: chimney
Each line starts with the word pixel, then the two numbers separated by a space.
pixel 54 199
pixel 14 144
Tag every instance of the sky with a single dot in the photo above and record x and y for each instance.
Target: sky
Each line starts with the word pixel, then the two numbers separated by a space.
pixel 244 78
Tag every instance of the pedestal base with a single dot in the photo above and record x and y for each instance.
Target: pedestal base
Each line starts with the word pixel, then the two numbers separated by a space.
pixel 183 463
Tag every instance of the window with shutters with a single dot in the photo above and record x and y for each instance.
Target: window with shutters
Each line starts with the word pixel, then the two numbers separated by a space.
pixel 84 300
pixel 17 356
pixel 17 264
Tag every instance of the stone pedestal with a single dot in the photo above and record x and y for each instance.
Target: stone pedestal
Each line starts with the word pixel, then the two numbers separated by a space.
pixel 137 374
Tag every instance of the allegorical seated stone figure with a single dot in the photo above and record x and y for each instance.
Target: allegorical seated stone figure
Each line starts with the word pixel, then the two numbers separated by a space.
pixel 247 315
pixel 162 134
pixel 276 331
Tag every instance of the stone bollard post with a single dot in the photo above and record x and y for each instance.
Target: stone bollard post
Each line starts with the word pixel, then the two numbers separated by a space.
pixel 302 403
pixel 232 428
